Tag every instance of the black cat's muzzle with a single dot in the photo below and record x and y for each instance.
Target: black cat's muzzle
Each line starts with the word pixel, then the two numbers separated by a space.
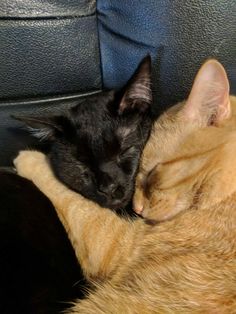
pixel 119 203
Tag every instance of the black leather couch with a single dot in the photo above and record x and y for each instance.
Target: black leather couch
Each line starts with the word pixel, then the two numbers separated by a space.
pixel 54 52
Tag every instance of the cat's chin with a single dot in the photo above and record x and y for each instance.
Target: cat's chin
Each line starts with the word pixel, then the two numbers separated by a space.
pixel 117 205
pixel 113 204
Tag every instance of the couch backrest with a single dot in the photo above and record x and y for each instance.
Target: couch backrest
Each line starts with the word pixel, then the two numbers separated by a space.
pixel 54 51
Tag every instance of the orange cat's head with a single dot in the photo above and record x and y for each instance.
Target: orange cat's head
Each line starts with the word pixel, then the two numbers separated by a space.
pixel 190 159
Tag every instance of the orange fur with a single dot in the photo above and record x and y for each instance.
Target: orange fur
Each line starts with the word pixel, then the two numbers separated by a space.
pixel 187 180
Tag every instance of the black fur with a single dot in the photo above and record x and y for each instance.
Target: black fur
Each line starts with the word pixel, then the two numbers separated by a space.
pixel 95 157
pixel 94 149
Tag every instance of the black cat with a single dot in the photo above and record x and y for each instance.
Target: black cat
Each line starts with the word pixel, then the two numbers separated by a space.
pixel 94 149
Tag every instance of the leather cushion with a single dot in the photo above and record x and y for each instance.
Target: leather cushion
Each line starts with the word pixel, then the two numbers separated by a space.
pixel 46 8
pixel 180 35
pixel 48 48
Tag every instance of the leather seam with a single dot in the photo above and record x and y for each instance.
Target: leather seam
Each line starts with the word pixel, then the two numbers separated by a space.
pixel 32 101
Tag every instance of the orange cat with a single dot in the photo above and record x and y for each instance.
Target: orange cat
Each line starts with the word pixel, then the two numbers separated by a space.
pixel 186 264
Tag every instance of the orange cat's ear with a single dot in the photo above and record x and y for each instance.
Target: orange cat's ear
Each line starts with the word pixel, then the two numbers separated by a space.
pixel 208 101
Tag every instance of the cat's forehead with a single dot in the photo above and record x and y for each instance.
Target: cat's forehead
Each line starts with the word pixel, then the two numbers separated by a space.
pixel 95 103
pixel 106 141
pixel 98 148
pixel 92 115
pixel 99 128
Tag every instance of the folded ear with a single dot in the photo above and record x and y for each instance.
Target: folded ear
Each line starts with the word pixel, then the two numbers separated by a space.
pixel 44 128
pixel 138 93
pixel 209 101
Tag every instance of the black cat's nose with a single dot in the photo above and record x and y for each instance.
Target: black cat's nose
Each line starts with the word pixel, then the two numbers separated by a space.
pixel 112 190
pixel 118 193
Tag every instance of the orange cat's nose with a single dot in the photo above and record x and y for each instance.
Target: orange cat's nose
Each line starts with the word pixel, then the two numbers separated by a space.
pixel 138 210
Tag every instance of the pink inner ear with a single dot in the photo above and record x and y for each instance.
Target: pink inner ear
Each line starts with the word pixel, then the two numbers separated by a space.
pixel 209 97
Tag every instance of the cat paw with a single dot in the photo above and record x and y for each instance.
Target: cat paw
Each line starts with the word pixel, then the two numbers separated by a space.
pixel 160 209
pixel 27 161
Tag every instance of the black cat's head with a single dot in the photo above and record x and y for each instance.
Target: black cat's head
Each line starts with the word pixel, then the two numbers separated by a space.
pixel 95 147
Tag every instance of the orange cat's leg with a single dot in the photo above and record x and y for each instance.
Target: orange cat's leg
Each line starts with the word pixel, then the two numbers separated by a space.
pixel 100 238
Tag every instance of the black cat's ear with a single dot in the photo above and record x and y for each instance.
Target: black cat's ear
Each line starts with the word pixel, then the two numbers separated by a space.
pixel 138 93
pixel 44 128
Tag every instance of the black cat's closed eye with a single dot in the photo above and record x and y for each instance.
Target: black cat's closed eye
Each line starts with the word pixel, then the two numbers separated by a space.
pixel 127 151
pixel 86 175
pixel 124 155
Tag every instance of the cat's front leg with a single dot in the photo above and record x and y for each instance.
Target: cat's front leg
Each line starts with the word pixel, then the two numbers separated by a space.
pixel 101 239
pixel 26 162
pixel 34 166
